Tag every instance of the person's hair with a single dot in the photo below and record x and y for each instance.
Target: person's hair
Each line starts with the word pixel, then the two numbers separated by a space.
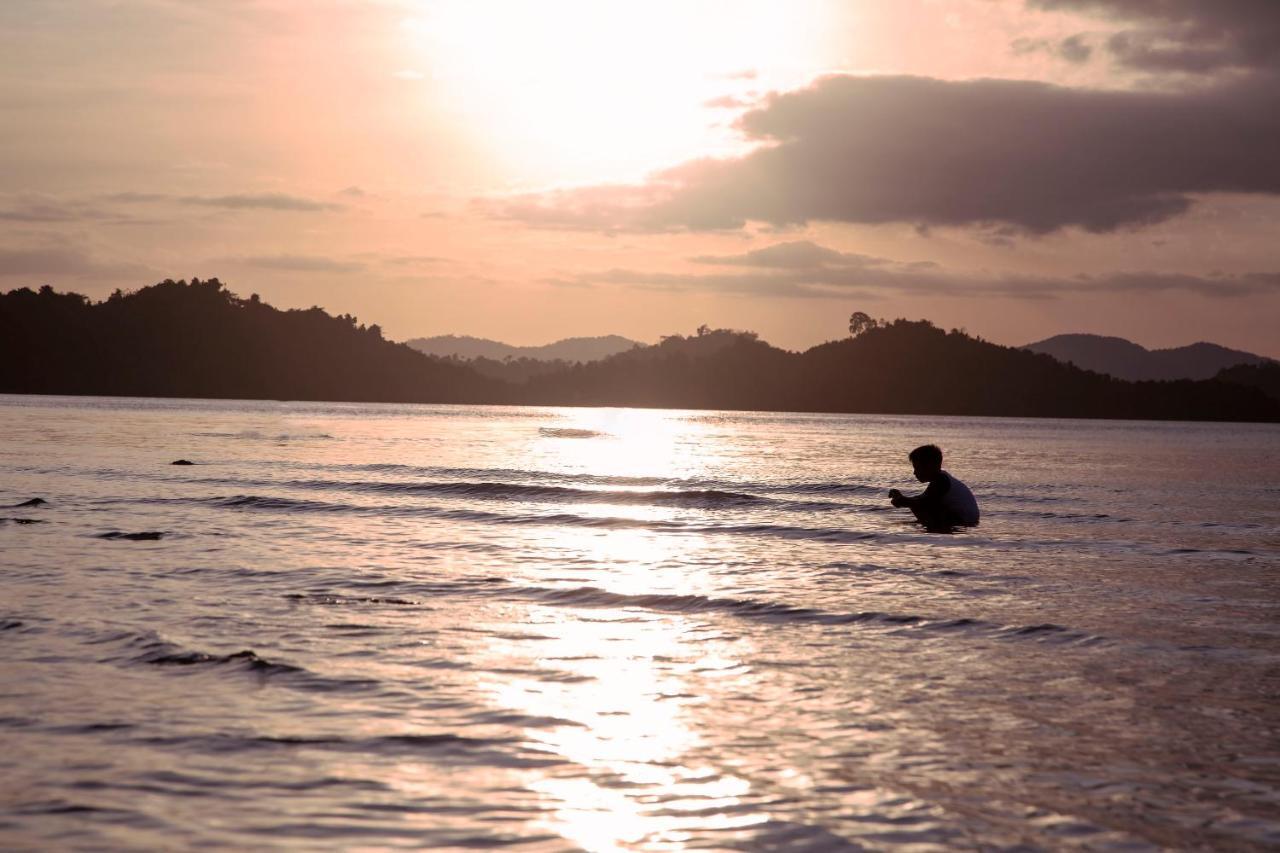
pixel 929 454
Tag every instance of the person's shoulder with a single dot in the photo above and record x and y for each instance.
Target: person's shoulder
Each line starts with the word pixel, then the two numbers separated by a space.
pixel 939 484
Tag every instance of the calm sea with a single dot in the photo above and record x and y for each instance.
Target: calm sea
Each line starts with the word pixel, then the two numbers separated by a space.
pixel 353 626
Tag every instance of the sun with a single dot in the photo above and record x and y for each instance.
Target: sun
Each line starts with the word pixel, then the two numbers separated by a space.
pixel 610 90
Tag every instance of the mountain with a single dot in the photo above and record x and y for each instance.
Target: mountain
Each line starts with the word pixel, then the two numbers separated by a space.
pixel 1264 377
pixel 901 367
pixel 176 339
pixel 569 349
pixel 1127 360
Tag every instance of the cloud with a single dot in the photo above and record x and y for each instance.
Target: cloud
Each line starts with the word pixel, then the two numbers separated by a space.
pixel 803 269
pixel 239 201
pixel 797 254
pixel 728 102
pixel 1192 36
pixel 136 197
pixel 261 201
pixel 43 212
pixel 296 263
pixel 35 208
pixel 64 260
pixel 1033 156
pixel 415 260
pixel 1075 49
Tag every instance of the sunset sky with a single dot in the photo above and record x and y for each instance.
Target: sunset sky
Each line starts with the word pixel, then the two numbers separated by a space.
pixel 528 170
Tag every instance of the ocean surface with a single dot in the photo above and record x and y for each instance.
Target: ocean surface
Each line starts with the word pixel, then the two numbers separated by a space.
pixel 377 627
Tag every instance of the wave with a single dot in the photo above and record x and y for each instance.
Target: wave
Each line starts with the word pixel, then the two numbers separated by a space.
pixel 515 474
pixel 786 613
pixel 569 432
pixel 1081 517
pixel 687 493
pixel 510 752
pixel 143 536
pixel 255 435
pixel 244 659
pixel 523 476
pixel 327 600
pixel 275 503
pixel 566 519
pixel 149 649
pixel 709 498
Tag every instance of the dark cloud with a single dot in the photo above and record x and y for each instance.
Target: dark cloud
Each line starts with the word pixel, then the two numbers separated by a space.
pixel 41 208
pixel 238 201
pixel 261 201
pixel 806 270
pixel 1195 36
pixel 1075 49
pixel 41 212
pixel 415 260
pixel 136 197
pixel 1029 155
pixel 297 263
pixel 64 260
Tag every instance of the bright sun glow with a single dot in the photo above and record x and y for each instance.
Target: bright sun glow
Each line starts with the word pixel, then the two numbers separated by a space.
pixel 589 90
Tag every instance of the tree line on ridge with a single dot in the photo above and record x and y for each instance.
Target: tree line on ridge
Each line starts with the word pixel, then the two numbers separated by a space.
pixel 197 339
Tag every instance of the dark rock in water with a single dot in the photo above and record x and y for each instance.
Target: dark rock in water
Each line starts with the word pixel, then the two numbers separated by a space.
pixel 182 462
pixel 32 502
pixel 144 536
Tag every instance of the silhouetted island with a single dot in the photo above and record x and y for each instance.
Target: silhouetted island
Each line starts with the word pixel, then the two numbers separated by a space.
pixel 197 339
pixel 179 339
pixel 565 350
pixel 1126 360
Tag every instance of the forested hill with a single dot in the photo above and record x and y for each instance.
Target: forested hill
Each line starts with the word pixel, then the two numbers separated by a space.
pixel 900 367
pixel 176 339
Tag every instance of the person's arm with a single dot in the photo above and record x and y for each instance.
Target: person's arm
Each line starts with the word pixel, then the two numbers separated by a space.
pixel 897 498
pixel 931 496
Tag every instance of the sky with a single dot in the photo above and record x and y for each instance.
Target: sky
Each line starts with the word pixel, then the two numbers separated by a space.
pixel 528 170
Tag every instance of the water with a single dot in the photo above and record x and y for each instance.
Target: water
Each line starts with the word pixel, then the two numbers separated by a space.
pixel 415 626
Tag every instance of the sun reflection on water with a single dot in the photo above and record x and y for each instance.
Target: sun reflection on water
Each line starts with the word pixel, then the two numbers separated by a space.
pixel 624 685
pixel 628 443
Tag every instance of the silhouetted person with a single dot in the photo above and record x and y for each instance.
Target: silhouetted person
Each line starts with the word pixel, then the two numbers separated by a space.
pixel 946 502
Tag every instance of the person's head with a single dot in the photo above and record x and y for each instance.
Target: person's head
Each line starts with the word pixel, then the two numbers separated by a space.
pixel 926 460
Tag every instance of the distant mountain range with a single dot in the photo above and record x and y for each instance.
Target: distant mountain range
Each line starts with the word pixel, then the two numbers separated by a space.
pixel 569 349
pixel 179 339
pixel 1126 360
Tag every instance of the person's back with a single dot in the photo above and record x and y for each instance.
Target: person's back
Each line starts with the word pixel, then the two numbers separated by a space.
pixel 957 501
pixel 947 502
